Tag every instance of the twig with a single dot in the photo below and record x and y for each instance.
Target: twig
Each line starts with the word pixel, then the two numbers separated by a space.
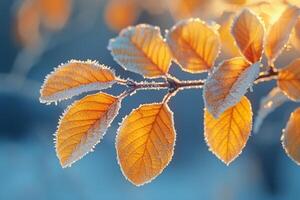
pixel 173 84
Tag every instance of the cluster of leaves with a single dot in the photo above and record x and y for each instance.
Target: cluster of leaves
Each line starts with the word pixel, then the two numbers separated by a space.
pixel 146 138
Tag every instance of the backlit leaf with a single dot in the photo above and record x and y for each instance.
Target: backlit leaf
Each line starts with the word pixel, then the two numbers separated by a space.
pixel 145 142
pixel 248 32
pixel 269 103
pixel 183 9
pixel 75 77
pixel 194 44
pixel 289 80
pixel 141 49
pixel 291 137
pixel 228 135
pixel 82 126
pixel 228 43
pixel 228 84
pixel 296 36
pixel 279 33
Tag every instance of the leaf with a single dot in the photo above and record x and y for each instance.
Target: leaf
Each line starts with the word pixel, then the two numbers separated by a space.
pixel 279 33
pixel 183 9
pixel 145 142
pixel 141 49
pixel 27 25
pixel 268 104
pixel 289 80
pixel 248 32
pixel 228 84
pixel 120 14
pixel 75 77
pixel 228 135
pixel 295 38
pixel 55 13
pixel 228 43
pixel 82 126
pixel 194 44
pixel 290 137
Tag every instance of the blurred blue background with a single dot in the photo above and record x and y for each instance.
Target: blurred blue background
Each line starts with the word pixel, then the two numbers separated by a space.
pixel 29 168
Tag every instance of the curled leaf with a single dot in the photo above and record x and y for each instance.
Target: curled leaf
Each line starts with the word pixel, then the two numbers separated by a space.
pixel 75 77
pixel 228 84
pixel 145 142
pixel 290 137
pixel 194 44
pixel 228 135
pixel 289 80
pixel 279 33
pixel 82 126
pixel 273 100
pixel 248 32
pixel 141 49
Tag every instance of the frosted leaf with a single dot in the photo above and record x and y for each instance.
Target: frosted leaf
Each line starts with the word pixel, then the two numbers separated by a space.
pixel 75 77
pixel 141 49
pixel 268 104
pixel 83 125
pixel 228 83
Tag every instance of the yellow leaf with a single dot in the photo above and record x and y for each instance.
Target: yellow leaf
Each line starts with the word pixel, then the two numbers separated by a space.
pixel 183 9
pixel 279 33
pixel 228 135
pixel 228 84
pixel 141 49
pixel 248 32
pixel 75 77
pixel 145 142
pixel 82 126
pixel 194 44
pixel 228 44
pixel 296 36
pixel 237 2
pixel 289 80
pixel 291 137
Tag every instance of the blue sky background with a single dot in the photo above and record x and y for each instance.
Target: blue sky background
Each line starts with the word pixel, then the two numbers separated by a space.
pixel 29 168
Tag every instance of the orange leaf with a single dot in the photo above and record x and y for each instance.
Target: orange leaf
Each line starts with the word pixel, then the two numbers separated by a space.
pixel 228 84
pixel 145 142
pixel 141 49
pixel 194 44
pixel 227 40
pixel 27 24
pixel 248 32
pixel 82 126
pixel 75 77
pixel 55 13
pixel 290 137
pixel 279 33
pixel 289 80
pixel 228 135
pixel 120 13
pixel 237 2
pixel 183 9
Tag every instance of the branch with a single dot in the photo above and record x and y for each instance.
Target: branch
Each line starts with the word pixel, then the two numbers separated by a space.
pixel 173 84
